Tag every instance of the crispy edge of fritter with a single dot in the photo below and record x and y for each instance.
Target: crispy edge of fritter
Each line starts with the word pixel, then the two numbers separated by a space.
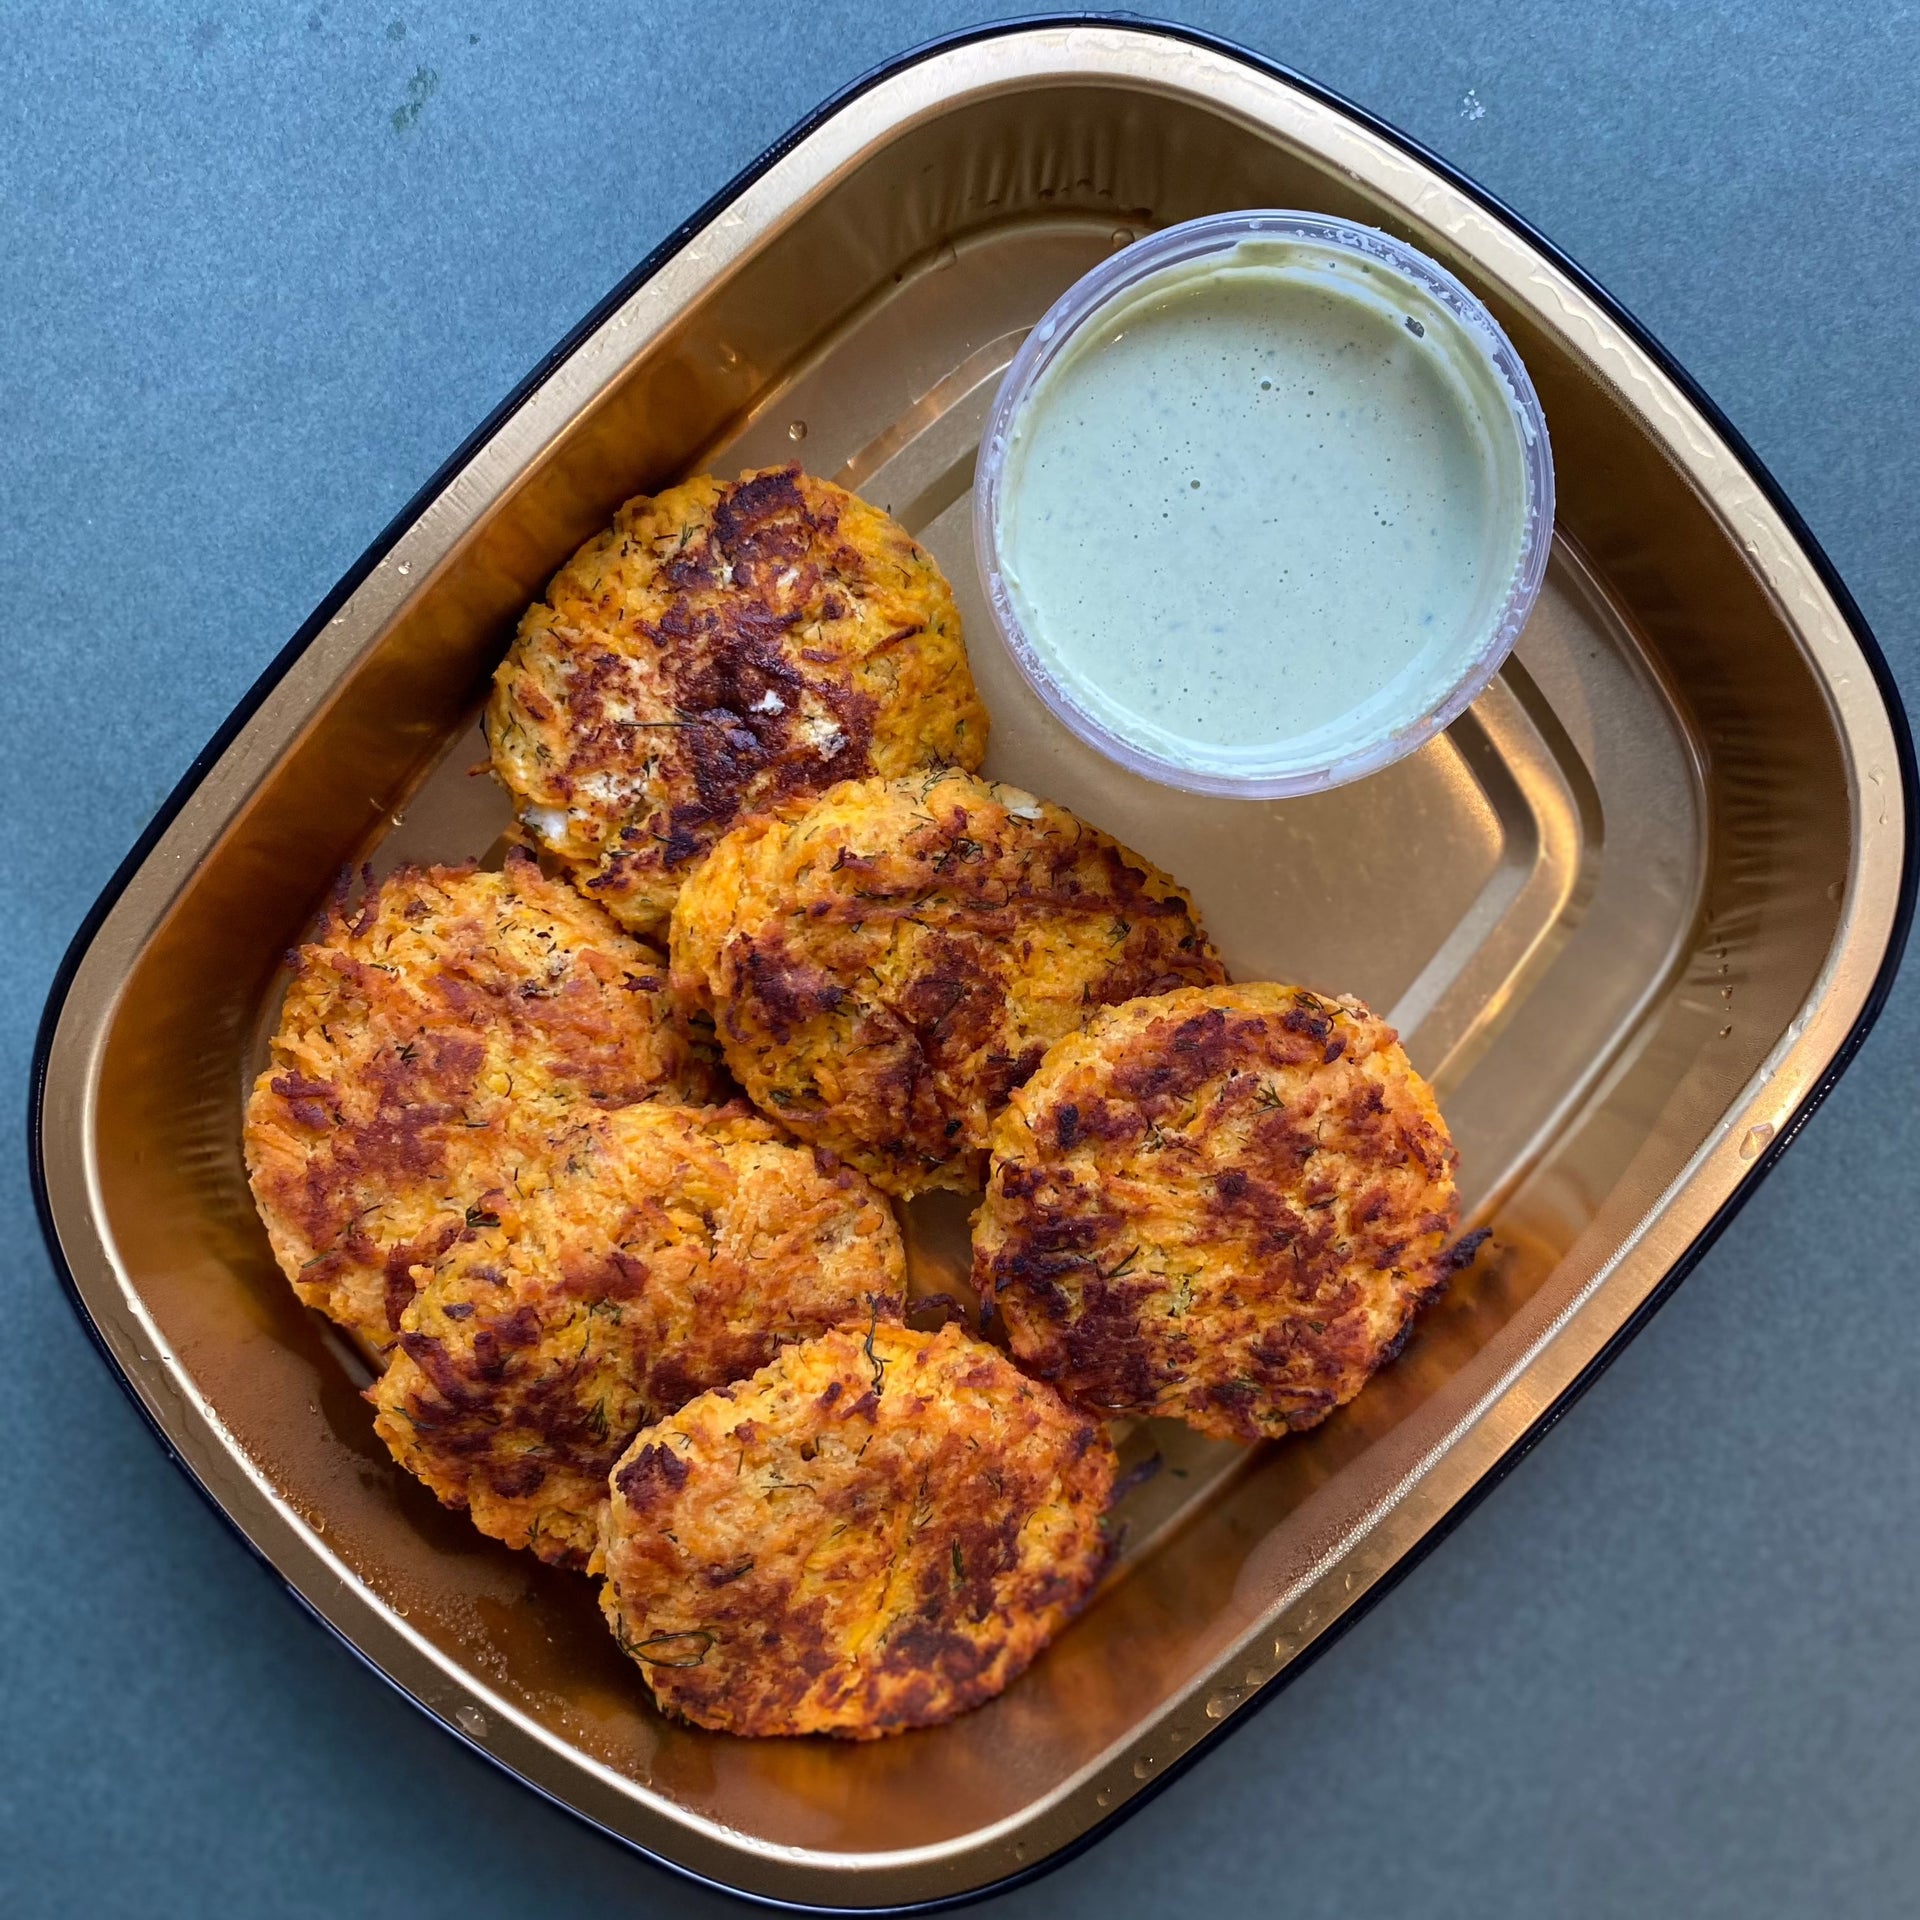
pixel 597 1284
pixel 746 715
pixel 903 1077
pixel 1186 1132
pixel 728 1557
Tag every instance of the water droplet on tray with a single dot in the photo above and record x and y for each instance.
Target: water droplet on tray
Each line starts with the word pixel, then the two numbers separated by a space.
pixel 1104 1798
pixel 1221 1704
pixel 1144 1766
pixel 471 1720
pixel 796 431
pixel 1123 237
pixel 1755 1139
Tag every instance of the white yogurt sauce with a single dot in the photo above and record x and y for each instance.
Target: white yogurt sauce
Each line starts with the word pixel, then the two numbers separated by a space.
pixel 1265 509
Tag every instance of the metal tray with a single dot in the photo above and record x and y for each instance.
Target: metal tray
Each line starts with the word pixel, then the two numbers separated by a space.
pixel 1632 914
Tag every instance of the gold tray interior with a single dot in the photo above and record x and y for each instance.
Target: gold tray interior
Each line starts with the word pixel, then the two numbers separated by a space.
pixel 1593 908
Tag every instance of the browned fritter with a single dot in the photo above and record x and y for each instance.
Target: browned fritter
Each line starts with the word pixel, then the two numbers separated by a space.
pixel 721 647
pixel 437 1030
pixel 1224 1204
pixel 886 964
pixel 671 1250
pixel 878 1531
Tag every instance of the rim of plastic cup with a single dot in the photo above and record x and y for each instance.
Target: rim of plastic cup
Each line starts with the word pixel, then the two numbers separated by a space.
pixel 1082 303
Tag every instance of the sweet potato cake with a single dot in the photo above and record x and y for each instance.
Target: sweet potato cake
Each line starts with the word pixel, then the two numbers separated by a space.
pixel 437 1029
pixel 886 964
pixel 1224 1204
pixel 878 1531
pixel 671 1250
pixel 722 646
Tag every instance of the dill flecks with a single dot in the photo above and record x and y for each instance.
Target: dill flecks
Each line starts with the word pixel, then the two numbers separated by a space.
pixel 878 1365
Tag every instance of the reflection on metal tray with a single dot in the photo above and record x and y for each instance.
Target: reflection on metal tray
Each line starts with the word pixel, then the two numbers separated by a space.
pixel 1628 913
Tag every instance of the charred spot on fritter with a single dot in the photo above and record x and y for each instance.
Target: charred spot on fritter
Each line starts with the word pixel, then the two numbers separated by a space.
pixel 653 1473
pixel 888 963
pixel 878 1531
pixel 1222 1204
pixel 723 647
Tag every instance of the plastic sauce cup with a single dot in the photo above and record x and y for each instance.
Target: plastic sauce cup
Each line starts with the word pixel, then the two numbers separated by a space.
pixel 1263 503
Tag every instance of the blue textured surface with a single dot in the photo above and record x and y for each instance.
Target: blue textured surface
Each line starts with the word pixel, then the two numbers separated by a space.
pixel 260 270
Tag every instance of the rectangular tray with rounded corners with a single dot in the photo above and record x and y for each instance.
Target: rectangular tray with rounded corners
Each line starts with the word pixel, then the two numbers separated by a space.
pixel 1632 914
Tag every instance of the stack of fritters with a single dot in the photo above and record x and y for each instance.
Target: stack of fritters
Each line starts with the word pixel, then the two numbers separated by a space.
pixel 669 1251
pixel 640 1329
pixel 721 648
pixel 886 964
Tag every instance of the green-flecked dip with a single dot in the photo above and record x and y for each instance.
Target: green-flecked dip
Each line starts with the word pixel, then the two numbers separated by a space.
pixel 1263 509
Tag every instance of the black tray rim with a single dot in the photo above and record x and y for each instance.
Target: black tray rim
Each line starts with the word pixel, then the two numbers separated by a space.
pixel 355 576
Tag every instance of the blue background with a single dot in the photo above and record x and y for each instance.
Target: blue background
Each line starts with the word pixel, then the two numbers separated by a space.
pixel 260 270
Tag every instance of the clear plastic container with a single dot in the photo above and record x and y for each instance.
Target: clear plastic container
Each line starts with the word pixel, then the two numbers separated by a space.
pixel 1334 753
